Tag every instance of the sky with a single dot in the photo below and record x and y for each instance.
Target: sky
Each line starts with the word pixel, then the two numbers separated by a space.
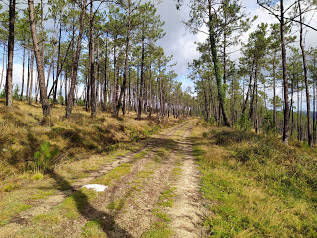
pixel 180 42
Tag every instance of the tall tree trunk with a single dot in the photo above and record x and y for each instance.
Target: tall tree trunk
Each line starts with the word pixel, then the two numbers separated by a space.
pixel 31 77
pixel 126 66
pixel 274 91
pixel 215 59
pixel 251 112
pixel 285 81
pixel 142 80
pixel 292 104
pixel 65 85
pixel 309 134
pixel 76 60
pixel 301 115
pixel 249 88
pixel 23 69
pixel 28 79
pixel 58 64
pixel 314 112
pixel 39 63
pixel 50 68
pixel 9 85
pixel 104 105
pixel 3 65
pixel 206 104
pixel 92 63
pixel 115 92
pixel 87 93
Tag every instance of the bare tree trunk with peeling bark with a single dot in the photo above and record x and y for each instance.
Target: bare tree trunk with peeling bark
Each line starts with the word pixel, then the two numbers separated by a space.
pixel 39 63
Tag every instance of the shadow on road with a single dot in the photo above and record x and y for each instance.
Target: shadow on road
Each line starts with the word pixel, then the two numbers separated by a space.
pixel 105 221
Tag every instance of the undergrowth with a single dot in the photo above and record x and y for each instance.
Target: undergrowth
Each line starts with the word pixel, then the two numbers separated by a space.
pixel 26 144
pixel 257 186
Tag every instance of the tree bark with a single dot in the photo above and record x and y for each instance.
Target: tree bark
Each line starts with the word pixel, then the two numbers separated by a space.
pixel 104 105
pixel 23 69
pixel 215 59
pixel 142 80
pixel 309 134
pixel 126 66
pixel 9 85
pixel 3 65
pixel 31 77
pixel 39 63
pixel 92 63
pixel 76 60
pixel 285 81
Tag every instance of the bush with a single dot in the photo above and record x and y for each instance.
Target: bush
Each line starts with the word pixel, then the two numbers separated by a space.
pixel 37 176
pixel 244 123
pixel 16 95
pixel 60 99
pixel 43 158
pixel 2 94
pixel 9 187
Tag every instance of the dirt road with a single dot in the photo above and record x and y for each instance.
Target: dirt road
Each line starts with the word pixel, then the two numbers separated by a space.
pixel 151 193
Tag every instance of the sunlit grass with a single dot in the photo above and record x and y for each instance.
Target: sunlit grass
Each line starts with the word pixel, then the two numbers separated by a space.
pixel 256 186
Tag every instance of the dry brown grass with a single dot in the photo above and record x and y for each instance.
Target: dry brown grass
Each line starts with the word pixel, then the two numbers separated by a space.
pixel 21 135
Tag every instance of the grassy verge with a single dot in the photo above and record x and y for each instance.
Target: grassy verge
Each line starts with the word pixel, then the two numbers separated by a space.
pixel 256 185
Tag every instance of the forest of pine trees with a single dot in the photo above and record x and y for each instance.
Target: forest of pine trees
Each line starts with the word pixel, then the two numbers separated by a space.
pixel 99 54
pixel 271 87
pixel 104 55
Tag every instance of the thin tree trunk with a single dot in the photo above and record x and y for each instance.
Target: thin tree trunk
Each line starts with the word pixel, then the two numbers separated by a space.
pixel 28 80
pixel 104 105
pixel 274 91
pixel 9 85
pixel 58 64
pixel 309 134
pixel 76 60
pixel 142 80
pixel 126 66
pixel 23 69
pixel 31 77
pixel 39 63
pixel 251 112
pixel 3 65
pixel 314 112
pixel 285 81
pixel 92 63
pixel 66 92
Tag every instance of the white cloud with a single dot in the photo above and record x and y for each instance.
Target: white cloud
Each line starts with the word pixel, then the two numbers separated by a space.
pixel 179 41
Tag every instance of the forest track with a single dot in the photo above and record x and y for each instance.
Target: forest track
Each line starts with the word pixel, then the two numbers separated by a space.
pixel 60 196
pixel 188 213
pixel 126 208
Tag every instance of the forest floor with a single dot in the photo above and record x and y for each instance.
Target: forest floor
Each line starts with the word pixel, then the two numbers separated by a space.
pixel 152 191
pixel 187 179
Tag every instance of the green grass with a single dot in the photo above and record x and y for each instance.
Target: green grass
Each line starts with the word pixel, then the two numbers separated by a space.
pixel 42 194
pixel 158 230
pixel 114 174
pixel 12 208
pixel 37 176
pixel 166 198
pixel 77 202
pixel 9 187
pixel 140 155
pixel 93 229
pixel 51 218
pixel 257 186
